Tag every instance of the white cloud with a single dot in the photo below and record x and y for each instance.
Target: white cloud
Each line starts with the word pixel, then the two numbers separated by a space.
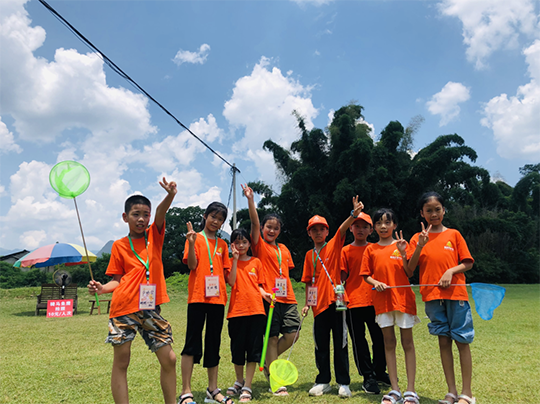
pixel 262 104
pixel 491 24
pixel 515 120
pixel 445 102
pixel 180 149
pixel 7 141
pixel 183 56
pixel 314 2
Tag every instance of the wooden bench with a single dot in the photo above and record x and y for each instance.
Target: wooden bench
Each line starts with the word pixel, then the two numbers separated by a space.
pixel 51 291
pixel 99 307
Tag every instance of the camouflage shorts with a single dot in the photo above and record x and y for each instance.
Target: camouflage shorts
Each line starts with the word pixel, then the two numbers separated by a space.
pixel 155 330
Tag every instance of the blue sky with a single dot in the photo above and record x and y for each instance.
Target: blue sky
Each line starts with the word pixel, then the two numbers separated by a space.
pixel 233 71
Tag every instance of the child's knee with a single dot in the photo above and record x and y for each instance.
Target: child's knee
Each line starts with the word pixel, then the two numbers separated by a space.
pixel 390 341
pixel 445 342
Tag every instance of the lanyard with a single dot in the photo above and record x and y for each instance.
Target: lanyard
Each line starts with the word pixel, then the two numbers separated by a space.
pixel 210 257
pixel 278 256
pixel 146 264
pixel 322 263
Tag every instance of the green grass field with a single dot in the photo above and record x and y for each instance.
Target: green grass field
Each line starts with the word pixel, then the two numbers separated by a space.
pixel 65 360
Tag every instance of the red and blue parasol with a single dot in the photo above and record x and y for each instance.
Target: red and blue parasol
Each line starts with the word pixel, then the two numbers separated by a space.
pixel 55 254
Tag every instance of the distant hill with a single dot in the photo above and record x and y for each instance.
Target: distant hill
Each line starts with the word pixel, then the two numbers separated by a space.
pixel 106 249
pixel 3 251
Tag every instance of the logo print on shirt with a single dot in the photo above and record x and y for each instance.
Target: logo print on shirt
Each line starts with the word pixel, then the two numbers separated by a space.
pixel 396 255
pixel 449 246
pixel 253 272
pixel 220 251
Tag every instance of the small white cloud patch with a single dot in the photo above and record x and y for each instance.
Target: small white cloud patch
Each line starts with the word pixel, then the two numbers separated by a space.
pixel 184 56
pixel 445 102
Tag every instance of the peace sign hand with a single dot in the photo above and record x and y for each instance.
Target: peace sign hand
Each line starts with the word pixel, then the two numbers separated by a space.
pixel 423 238
pixel 401 243
pixel 235 252
pixel 191 235
pixel 357 206
pixel 170 187
pixel 248 192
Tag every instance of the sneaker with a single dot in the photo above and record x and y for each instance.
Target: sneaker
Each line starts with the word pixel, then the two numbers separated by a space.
pixel 384 379
pixel 320 389
pixel 344 391
pixel 371 386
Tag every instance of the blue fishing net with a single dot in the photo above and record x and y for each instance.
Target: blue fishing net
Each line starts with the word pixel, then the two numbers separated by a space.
pixel 487 298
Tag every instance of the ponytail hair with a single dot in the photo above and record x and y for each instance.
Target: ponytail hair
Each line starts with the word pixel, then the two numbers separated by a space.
pixel 216 207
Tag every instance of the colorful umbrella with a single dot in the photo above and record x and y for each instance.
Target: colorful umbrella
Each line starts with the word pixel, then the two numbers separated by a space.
pixel 55 254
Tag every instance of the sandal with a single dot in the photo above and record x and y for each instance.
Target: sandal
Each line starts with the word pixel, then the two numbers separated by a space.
pixel 246 395
pixel 410 397
pixel 237 386
pixel 211 397
pixel 393 400
pixel 280 392
pixel 184 397
pixel 467 398
pixel 445 401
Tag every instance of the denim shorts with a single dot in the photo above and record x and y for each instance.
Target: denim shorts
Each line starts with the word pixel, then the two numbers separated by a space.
pixel 451 318
pixel 155 330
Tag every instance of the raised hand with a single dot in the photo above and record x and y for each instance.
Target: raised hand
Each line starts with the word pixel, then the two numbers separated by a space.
pixel 235 252
pixel 401 243
pixel 248 192
pixel 357 206
pixel 191 235
pixel 423 238
pixel 170 187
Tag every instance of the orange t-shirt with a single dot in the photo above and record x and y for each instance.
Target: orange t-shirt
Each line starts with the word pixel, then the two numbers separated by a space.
pixel 331 256
pixel 125 298
pixel 358 290
pixel 197 277
pixel 268 254
pixel 384 264
pixel 442 252
pixel 246 299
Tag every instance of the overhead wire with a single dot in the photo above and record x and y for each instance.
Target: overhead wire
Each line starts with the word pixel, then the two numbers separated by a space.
pixel 121 73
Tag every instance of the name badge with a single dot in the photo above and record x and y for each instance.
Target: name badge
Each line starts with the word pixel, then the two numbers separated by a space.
pixel 281 284
pixel 312 296
pixel 147 296
pixel 211 284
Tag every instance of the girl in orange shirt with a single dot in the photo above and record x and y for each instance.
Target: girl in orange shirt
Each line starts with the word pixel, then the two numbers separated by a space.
pixel 277 262
pixel 246 314
pixel 385 264
pixel 443 257
pixel 207 257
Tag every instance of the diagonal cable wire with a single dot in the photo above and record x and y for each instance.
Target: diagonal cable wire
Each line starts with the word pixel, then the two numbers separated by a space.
pixel 121 73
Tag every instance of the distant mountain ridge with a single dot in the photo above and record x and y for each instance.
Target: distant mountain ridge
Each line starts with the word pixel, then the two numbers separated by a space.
pixel 106 249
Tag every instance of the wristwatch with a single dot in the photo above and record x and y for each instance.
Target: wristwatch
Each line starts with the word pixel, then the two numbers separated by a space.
pixel 352 214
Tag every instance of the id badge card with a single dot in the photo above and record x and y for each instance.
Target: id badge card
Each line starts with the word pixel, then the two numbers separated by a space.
pixel 147 296
pixel 281 284
pixel 211 286
pixel 312 296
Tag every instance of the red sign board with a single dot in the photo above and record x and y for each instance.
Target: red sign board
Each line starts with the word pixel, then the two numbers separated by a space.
pixel 60 308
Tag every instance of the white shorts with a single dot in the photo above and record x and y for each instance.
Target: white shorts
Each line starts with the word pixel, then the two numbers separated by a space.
pixel 402 320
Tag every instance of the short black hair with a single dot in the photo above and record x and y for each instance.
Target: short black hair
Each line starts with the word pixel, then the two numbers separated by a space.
pixel 136 200
pixel 240 233
pixel 426 197
pixel 216 207
pixel 272 216
pixel 390 214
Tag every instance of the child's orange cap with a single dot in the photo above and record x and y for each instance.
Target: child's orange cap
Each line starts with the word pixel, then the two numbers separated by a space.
pixel 317 220
pixel 365 217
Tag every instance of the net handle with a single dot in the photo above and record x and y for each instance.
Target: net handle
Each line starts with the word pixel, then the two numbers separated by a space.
pixel 296 336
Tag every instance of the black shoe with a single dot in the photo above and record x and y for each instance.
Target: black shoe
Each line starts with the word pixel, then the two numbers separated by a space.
pixel 370 386
pixel 383 378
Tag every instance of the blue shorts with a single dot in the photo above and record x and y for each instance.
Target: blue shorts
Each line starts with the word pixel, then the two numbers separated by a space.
pixel 451 318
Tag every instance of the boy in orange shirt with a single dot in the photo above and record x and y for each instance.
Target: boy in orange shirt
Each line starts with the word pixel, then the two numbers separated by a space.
pixel 322 272
pixel 361 311
pixel 139 289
